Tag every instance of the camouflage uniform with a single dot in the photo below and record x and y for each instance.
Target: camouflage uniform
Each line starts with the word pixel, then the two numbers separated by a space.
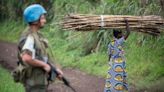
pixel 35 79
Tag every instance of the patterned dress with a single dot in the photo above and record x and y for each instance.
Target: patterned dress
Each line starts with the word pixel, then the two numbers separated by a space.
pixel 116 78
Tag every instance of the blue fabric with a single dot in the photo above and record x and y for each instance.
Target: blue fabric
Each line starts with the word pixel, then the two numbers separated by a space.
pixel 115 48
pixel 116 80
pixel 33 12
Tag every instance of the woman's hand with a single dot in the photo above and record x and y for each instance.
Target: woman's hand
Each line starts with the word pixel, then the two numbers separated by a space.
pixel 127 29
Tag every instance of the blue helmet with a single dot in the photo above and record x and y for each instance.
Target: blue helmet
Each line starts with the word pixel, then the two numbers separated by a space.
pixel 33 12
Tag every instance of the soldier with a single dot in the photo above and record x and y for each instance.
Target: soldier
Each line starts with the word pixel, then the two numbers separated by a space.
pixel 33 54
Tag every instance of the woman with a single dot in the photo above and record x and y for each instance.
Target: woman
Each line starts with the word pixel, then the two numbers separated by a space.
pixel 116 79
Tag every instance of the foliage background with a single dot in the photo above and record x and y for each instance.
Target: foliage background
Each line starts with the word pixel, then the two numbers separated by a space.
pixel 88 51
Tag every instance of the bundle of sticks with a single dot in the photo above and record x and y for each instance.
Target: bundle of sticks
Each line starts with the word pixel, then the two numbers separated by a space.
pixel 81 22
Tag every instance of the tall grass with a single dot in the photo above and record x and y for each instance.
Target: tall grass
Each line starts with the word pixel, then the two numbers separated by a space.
pixel 7 84
pixel 11 30
pixel 144 60
pixel 144 53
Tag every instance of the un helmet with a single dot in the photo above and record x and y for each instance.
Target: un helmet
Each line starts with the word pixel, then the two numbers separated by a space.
pixel 33 12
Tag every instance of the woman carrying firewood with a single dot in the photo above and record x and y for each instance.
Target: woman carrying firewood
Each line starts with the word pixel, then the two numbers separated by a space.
pixel 116 78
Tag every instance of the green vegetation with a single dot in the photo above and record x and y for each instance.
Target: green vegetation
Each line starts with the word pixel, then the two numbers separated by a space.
pixel 144 55
pixel 145 61
pixel 10 30
pixel 7 84
pixel 87 51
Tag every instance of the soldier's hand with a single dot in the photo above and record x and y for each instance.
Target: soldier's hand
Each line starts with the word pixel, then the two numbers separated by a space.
pixel 60 73
pixel 47 68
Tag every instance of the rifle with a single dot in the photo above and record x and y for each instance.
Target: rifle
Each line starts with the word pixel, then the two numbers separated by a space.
pixel 53 74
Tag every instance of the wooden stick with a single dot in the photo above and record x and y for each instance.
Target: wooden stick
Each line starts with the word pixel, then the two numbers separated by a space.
pixel 81 22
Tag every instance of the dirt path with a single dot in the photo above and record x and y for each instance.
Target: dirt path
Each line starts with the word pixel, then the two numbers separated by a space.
pixel 81 81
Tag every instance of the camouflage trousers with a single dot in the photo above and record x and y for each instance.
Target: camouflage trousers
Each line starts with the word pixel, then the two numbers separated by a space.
pixel 37 81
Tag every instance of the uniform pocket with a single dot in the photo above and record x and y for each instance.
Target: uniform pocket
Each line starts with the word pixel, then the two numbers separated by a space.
pixel 19 73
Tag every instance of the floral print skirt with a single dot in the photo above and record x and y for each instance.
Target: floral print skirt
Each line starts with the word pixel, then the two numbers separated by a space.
pixel 116 78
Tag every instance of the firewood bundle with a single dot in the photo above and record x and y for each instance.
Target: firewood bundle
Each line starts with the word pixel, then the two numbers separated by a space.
pixel 81 22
